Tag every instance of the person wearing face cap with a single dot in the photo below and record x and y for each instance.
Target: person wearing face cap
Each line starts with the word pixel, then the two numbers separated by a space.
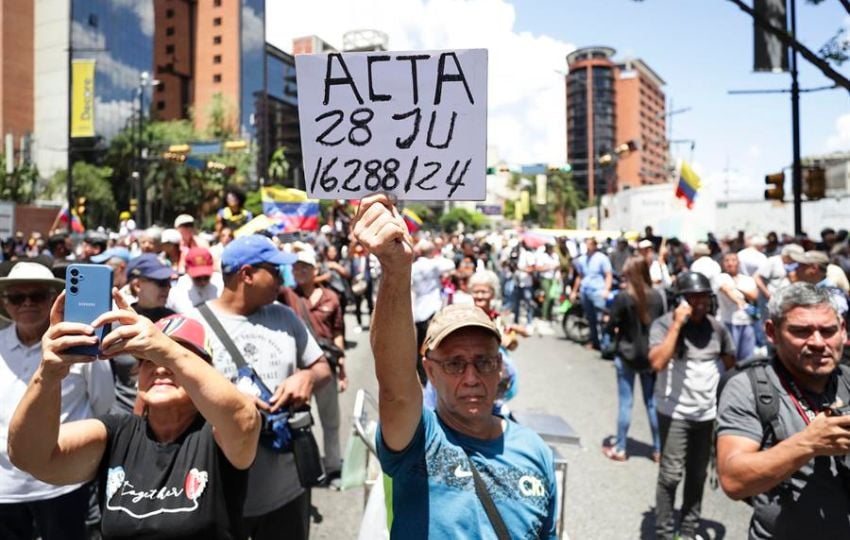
pixel 278 346
pixel 191 445
pixel 319 308
pixel 199 284
pixel 813 267
pixel 444 459
pixel 27 499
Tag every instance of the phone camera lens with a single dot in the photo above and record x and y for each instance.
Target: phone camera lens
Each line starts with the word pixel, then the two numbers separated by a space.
pixel 74 281
pixel 75 272
pixel 74 290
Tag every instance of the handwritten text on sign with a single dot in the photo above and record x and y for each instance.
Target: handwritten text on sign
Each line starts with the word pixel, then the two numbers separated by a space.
pixel 410 123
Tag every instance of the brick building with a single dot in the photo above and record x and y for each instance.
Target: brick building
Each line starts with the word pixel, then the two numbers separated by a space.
pixel 610 103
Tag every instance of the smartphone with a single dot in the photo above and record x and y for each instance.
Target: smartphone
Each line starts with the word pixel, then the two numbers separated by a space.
pixel 88 295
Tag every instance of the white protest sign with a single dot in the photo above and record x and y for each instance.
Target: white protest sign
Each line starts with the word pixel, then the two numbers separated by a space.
pixel 410 123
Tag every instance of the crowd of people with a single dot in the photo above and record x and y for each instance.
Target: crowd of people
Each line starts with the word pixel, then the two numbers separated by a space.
pixel 81 442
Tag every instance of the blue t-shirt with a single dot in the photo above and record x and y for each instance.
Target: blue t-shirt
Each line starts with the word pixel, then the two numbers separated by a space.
pixel 593 269
pixel 433 492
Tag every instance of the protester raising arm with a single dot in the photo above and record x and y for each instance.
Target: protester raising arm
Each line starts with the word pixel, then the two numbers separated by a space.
pixel 70 453
pixel 381 229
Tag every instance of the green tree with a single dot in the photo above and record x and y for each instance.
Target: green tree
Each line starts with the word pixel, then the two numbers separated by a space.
pixel 471 220
pixel 21 185
pixel 279 166
pixel 93 183
pixel 563 198
pixel 221 121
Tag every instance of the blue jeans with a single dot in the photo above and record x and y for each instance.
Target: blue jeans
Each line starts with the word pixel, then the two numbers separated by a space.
pixel 625 392
pixel 591 303
pixel 523 295
pixel 744 338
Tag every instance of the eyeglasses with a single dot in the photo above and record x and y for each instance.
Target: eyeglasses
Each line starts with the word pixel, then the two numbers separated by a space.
pixel 36 297
pixel 484 365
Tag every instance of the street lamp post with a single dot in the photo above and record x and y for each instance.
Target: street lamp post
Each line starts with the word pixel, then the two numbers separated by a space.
pixel 138 175
pixel 608 161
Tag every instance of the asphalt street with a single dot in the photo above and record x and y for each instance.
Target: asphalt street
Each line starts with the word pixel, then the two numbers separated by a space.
pixel 605 499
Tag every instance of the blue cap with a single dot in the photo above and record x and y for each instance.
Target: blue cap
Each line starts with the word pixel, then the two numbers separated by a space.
pixel 119 252
pixel 252 249
pixel 148 266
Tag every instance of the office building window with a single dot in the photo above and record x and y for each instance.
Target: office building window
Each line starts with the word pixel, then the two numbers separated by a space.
pixel 160 87
pixel 217 59
pixel 169 49
pixel 217 21
pixel 217 78
pixel 160 105
pixel 169 31
pixel 216 40
pixel 169 13
pixel 216 3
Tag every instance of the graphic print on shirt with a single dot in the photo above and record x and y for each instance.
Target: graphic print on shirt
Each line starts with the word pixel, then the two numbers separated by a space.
pixel 140 503
pixel 450 466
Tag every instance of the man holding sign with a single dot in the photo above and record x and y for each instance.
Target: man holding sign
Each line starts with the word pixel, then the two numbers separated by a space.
pixel 458 468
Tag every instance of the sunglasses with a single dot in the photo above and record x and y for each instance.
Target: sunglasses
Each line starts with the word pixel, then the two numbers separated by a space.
pixel 484 365
pixel 16 299
pixel 270 268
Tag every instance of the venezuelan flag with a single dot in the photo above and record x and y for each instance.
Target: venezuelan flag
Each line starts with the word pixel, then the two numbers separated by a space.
pixel 290 208
pixel 76 224
pixel 688 185
pixel 413 222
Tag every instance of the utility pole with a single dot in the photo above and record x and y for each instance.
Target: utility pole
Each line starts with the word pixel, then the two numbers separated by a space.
pixel 797 170
pixel 69 177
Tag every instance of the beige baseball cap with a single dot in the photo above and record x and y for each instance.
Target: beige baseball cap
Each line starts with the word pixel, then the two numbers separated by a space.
pixel 454 317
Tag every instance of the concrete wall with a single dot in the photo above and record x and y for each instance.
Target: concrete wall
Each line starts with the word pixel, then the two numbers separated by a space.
pixel 657 206
pixel 50 147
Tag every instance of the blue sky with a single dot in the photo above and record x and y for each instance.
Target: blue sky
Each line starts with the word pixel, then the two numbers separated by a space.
pixel 701 48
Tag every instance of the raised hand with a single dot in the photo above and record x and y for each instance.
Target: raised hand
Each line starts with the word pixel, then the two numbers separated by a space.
pixel 381 229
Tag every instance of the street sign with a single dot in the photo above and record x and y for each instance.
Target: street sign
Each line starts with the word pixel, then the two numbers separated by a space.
pixel 410 123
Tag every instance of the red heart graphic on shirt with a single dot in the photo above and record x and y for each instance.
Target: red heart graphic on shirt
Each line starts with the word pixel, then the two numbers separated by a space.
pixel 195 483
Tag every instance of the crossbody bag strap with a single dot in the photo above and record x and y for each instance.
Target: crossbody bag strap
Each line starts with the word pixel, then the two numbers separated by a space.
pixel 489 506
pixel 223 336
pixel 305 314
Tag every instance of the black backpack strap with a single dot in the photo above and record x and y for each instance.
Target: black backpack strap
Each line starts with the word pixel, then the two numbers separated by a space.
pixel 223 336
pixel 489 506
pixel 767 399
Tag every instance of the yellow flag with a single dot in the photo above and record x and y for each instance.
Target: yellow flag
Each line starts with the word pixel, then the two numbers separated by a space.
pixel 82 99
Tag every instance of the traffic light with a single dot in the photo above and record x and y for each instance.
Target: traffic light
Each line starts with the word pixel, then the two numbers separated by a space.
pixel 814 183
pixel 775 187
pixel 81 206
pixel 134 206
pixel 174 156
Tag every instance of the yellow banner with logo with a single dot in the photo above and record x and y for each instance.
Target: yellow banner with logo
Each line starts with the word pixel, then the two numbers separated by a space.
pixel 82 99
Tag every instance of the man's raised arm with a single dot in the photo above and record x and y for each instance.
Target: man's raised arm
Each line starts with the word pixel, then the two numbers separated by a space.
pixel 381 230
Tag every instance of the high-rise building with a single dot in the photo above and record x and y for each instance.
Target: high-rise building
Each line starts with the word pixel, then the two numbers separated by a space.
pixel 16 69
pixel 277 124
pixel 118 37
pixel 608 104
pixel 210 54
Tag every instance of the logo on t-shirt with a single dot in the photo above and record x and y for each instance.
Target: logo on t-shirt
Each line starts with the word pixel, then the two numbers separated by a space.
pixel 531 486
pixel 141 502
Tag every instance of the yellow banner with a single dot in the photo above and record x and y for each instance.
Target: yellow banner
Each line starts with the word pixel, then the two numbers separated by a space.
pixel 82 99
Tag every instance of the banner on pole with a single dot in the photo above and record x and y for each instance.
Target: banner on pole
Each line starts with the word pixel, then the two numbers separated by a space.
pixel 82 99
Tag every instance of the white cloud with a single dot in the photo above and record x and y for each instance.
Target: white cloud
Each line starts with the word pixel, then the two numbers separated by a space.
pixel 253 37
pixel 840 140
pixel 112 116
pixel 121 75
pixel 526 113
pixel 143 10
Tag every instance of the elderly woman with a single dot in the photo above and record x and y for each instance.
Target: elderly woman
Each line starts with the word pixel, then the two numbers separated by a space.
pixel 177 471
